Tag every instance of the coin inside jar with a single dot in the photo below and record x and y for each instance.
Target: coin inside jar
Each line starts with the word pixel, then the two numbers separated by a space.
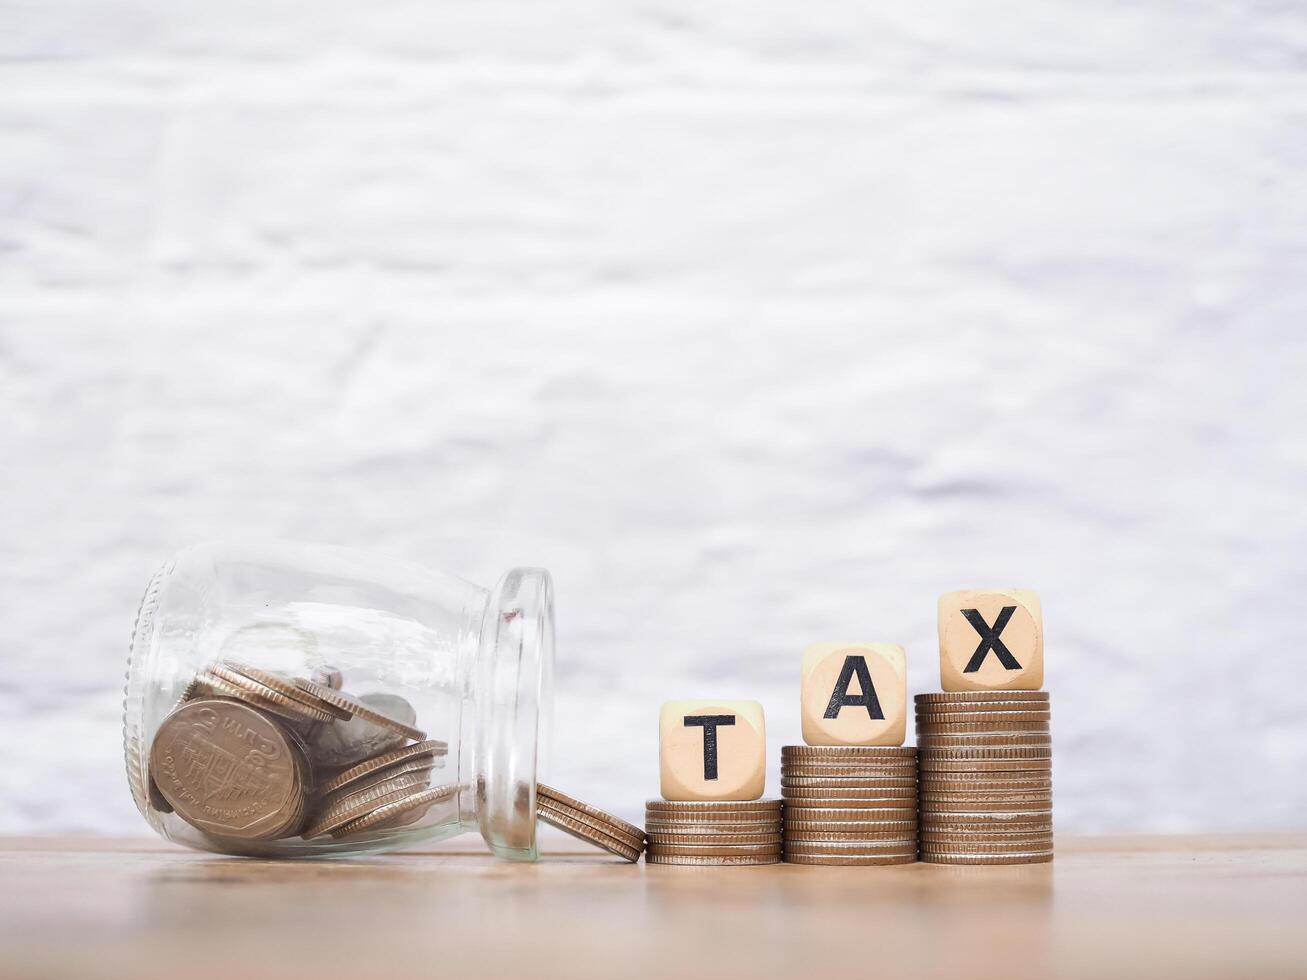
pixel 217 680
pixel 359 709
pixel 228 769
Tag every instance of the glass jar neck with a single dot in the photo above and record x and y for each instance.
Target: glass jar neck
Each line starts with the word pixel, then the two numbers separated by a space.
pixel 509 685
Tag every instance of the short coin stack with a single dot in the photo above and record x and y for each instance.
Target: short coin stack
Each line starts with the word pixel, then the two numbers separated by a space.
pixel 588 823
pixel 389 790
pixel 849 804
pixel 986 777
pixel 713 832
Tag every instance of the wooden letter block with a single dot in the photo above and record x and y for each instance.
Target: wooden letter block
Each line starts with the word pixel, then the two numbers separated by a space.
pixel 854 694
pixel 712 750
pixel 991 640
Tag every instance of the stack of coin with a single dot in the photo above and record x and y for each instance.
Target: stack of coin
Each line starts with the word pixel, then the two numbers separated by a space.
pixel 389 790
pixel 849 804
pixel 713 832
pixel 588 823
pixel 986 777
pixel 236 758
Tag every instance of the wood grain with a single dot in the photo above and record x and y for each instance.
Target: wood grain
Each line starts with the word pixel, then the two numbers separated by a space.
pixel 1213 906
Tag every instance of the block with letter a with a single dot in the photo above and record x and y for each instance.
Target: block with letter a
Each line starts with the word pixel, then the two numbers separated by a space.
pixel 712 750
pixel 854 694
pixel 991 640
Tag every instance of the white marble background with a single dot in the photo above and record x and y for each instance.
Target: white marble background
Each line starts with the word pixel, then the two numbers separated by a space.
pixel 757 323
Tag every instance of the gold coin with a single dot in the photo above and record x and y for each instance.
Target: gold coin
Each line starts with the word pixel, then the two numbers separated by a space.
pixel 981 848
pixel 967 697
pixel 286 688
pixel 715 834
pixel 612 829
pixel 825 794
pixel 849 782
pixel 939 857
pixel 704 816
pixel 985 765
pixel 944 810
pixel 851 772
pixel 707 861
pixel 351 806
pixel 997 781
pixel 587 833
pixel 851 810
pixel 986 776
pixel 379 784
pixel 382 761
pixel 384 815
pixel 258 693
pixel 1015 821
pixel 190 693
pixel 684 827
pixel 266 699
pixel 357 709
pixel 972 829
pixel 709 806
pixel 849 848
pixel 296 813
pixel 875 846
pixel 987 819
pixel 1009 739
pixel 978 717
pixel 827 753
pixel 987 798
pixel 767 827
pixel 1031 842
pixel 988 752
pixel 852 860
pixel 985 801
pixel 734 818
pixel 674 840
pixel 714 850
pixel 937 780
pixel 861 836
pixel 559 796
pixel 227 769
pixel 926 729
pixel 903 827
pixel 993 707
pixel 420 767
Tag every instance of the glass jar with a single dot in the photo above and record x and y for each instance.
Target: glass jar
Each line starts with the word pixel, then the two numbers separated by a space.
pixel 291 700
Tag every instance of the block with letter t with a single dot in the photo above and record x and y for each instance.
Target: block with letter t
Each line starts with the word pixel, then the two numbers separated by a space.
pixel 991 640
pixel 712 750
pixel 854 694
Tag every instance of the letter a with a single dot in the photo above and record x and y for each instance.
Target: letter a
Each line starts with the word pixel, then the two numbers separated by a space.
pixel 854 664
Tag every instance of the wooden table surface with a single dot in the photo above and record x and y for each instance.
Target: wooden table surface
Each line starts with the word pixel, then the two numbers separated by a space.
pixel 1213 906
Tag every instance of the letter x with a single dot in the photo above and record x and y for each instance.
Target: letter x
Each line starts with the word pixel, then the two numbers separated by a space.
pixel 989 640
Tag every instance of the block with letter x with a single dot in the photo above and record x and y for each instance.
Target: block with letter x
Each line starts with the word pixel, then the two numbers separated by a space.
pixel 991 640
pixel 712 750
pixel 854 694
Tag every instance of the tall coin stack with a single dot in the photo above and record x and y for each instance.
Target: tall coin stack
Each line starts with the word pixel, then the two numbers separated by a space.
pixel 986 777
pixel 713 832
pixel 849 804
